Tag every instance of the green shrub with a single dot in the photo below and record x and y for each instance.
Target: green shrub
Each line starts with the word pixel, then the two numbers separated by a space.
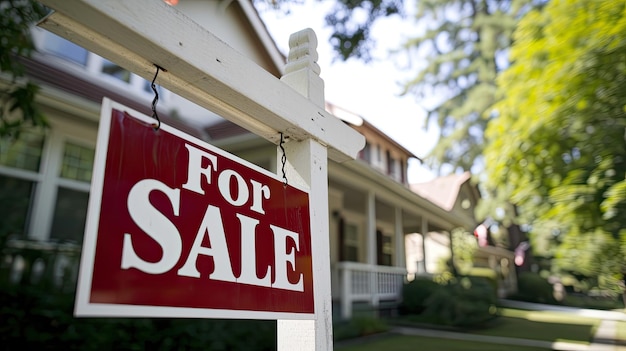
pixel 415 294
pixel 465 302
pixel 36 319
pixel 531 287
pixel 359 326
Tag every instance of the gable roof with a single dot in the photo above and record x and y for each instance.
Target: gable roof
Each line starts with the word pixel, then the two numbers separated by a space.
pixel 442 191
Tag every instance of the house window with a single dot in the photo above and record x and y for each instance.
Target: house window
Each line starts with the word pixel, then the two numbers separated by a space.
pixel 90 63
pixel 15 197
pixel 350 242
pixel 64 49
pixel 19 165
pixel 113 70
pixel 384 246
pixel 70 210
pixel 44 184
pixel 70 213
pixel 77 162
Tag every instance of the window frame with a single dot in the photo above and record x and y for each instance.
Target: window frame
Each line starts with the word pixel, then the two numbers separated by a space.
pixel 94 66
pixel 48 180
pixel 357 221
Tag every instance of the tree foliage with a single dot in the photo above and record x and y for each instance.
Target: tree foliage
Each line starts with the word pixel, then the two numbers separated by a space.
pixel 460 52
pixel 17 107
pixel 466 43
pixel 352 22
pixel 557 149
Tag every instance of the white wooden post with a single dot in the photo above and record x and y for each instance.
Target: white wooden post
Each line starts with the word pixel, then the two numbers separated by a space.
pixel 307 165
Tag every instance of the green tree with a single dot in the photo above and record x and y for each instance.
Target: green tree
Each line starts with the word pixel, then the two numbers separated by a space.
pixel 460 52
pixel 557 149
pixel 17 96
pixel 463 48
pixel 466 43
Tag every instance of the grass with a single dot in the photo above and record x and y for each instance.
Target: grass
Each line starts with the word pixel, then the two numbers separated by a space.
pixel 542 325
pixel 412 343
pixel 537 325
pixel 549 326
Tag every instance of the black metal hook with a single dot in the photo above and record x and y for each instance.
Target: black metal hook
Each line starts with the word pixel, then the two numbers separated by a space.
pixel 283 159
pixel 155 115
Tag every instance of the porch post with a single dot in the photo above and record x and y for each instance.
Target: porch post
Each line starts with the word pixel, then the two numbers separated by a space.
pixel 346 293
pixel 424 235
pixel 399 239
pixel 372 254
pixel 307 165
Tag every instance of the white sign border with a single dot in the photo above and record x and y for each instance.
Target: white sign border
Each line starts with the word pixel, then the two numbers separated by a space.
pixel 83 307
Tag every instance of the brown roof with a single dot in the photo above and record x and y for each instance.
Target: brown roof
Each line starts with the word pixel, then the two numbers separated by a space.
pixel 224 129
pixel 442 191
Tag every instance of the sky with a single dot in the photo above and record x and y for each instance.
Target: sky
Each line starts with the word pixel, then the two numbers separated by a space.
pixel 369 90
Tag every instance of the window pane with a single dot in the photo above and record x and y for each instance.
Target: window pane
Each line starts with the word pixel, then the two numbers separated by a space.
pixel 116 71
pixel 350 246
pixel 351 253
pixel 23 153
pixel 15 199
pixel 63 48
pixel 77 162
pixel 70 214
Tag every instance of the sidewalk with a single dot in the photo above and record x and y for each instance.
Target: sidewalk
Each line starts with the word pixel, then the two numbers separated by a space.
pixel 605 315
pixel 605 338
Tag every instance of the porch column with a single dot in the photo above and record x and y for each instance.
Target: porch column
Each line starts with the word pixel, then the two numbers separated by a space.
pixel 399 240
pixel 424 235
pixel 370 214
pixel 372 258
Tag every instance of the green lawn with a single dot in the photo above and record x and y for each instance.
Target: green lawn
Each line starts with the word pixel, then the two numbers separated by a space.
pixel 548 326
pixel 413 343
pixel 542 325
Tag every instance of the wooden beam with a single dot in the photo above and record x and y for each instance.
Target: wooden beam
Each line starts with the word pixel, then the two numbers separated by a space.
pixel 200 67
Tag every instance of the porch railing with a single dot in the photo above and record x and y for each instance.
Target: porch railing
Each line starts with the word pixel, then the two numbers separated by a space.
pixel 40 263
pixel 368 283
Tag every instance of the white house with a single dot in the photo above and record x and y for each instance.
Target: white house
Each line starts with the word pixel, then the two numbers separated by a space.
pixel 379 224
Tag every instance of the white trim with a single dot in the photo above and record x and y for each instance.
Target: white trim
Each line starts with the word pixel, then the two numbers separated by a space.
pixel 20 173
pixel 111 310
pixel 85 273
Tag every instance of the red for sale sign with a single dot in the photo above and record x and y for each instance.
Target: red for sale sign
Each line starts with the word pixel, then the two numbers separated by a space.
pixel 179 228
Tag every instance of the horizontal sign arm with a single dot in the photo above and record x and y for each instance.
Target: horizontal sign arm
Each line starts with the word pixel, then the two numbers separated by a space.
pixel 200 67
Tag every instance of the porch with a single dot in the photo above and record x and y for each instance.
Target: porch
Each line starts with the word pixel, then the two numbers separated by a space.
pixel 362 282
pixel 46 264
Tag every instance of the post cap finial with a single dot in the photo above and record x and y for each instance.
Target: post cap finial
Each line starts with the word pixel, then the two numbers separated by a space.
pixel 302 52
